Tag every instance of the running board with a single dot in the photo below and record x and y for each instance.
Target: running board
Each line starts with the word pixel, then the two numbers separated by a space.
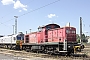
pixel 62 51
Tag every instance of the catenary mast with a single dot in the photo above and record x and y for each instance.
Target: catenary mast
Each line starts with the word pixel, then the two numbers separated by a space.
pixel 16 24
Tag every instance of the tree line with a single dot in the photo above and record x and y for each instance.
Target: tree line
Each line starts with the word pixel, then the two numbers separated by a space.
pixel 84 38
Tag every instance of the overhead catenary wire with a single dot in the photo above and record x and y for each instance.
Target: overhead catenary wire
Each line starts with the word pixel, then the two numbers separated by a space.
pixel 40 8
pixel 5 25
pixel 32 10
pixel 12 11
pixel 12 18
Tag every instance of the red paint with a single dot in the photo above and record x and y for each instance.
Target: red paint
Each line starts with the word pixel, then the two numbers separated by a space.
pixel 52 33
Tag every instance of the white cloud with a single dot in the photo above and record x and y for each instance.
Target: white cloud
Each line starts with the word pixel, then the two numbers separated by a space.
pixel 51 15
pixel 7 2
pixel 18 5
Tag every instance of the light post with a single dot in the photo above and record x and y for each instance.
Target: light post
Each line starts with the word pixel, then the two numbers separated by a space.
pixel 16 24
pixel 13 29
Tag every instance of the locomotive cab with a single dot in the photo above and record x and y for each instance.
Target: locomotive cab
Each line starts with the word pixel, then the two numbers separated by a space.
pixel 70 34
pixel 44 31
pixel 19 40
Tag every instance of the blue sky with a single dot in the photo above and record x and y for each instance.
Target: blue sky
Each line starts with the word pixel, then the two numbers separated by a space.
pixel 61 12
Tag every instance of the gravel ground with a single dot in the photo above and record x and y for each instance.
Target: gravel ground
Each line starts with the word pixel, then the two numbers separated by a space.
pixel 9 57
pixel 39 56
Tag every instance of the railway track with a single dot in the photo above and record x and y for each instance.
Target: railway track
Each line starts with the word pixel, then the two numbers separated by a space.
pixel 79 56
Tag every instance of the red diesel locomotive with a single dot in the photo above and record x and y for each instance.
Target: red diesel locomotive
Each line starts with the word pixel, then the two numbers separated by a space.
pixel 52 38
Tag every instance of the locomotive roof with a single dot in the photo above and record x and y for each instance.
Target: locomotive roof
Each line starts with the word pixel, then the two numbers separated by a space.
pixel 30 33
pixel 15 34
pixel 47 25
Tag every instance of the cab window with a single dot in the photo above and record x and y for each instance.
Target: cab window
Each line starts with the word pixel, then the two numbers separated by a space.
pixel 70 31
pixel 18 38
pixel 56 26
pixel 48 27
pixel 67 31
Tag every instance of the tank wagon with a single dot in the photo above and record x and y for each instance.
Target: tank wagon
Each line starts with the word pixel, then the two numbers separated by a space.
pixel 12 41
pixel 51 39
